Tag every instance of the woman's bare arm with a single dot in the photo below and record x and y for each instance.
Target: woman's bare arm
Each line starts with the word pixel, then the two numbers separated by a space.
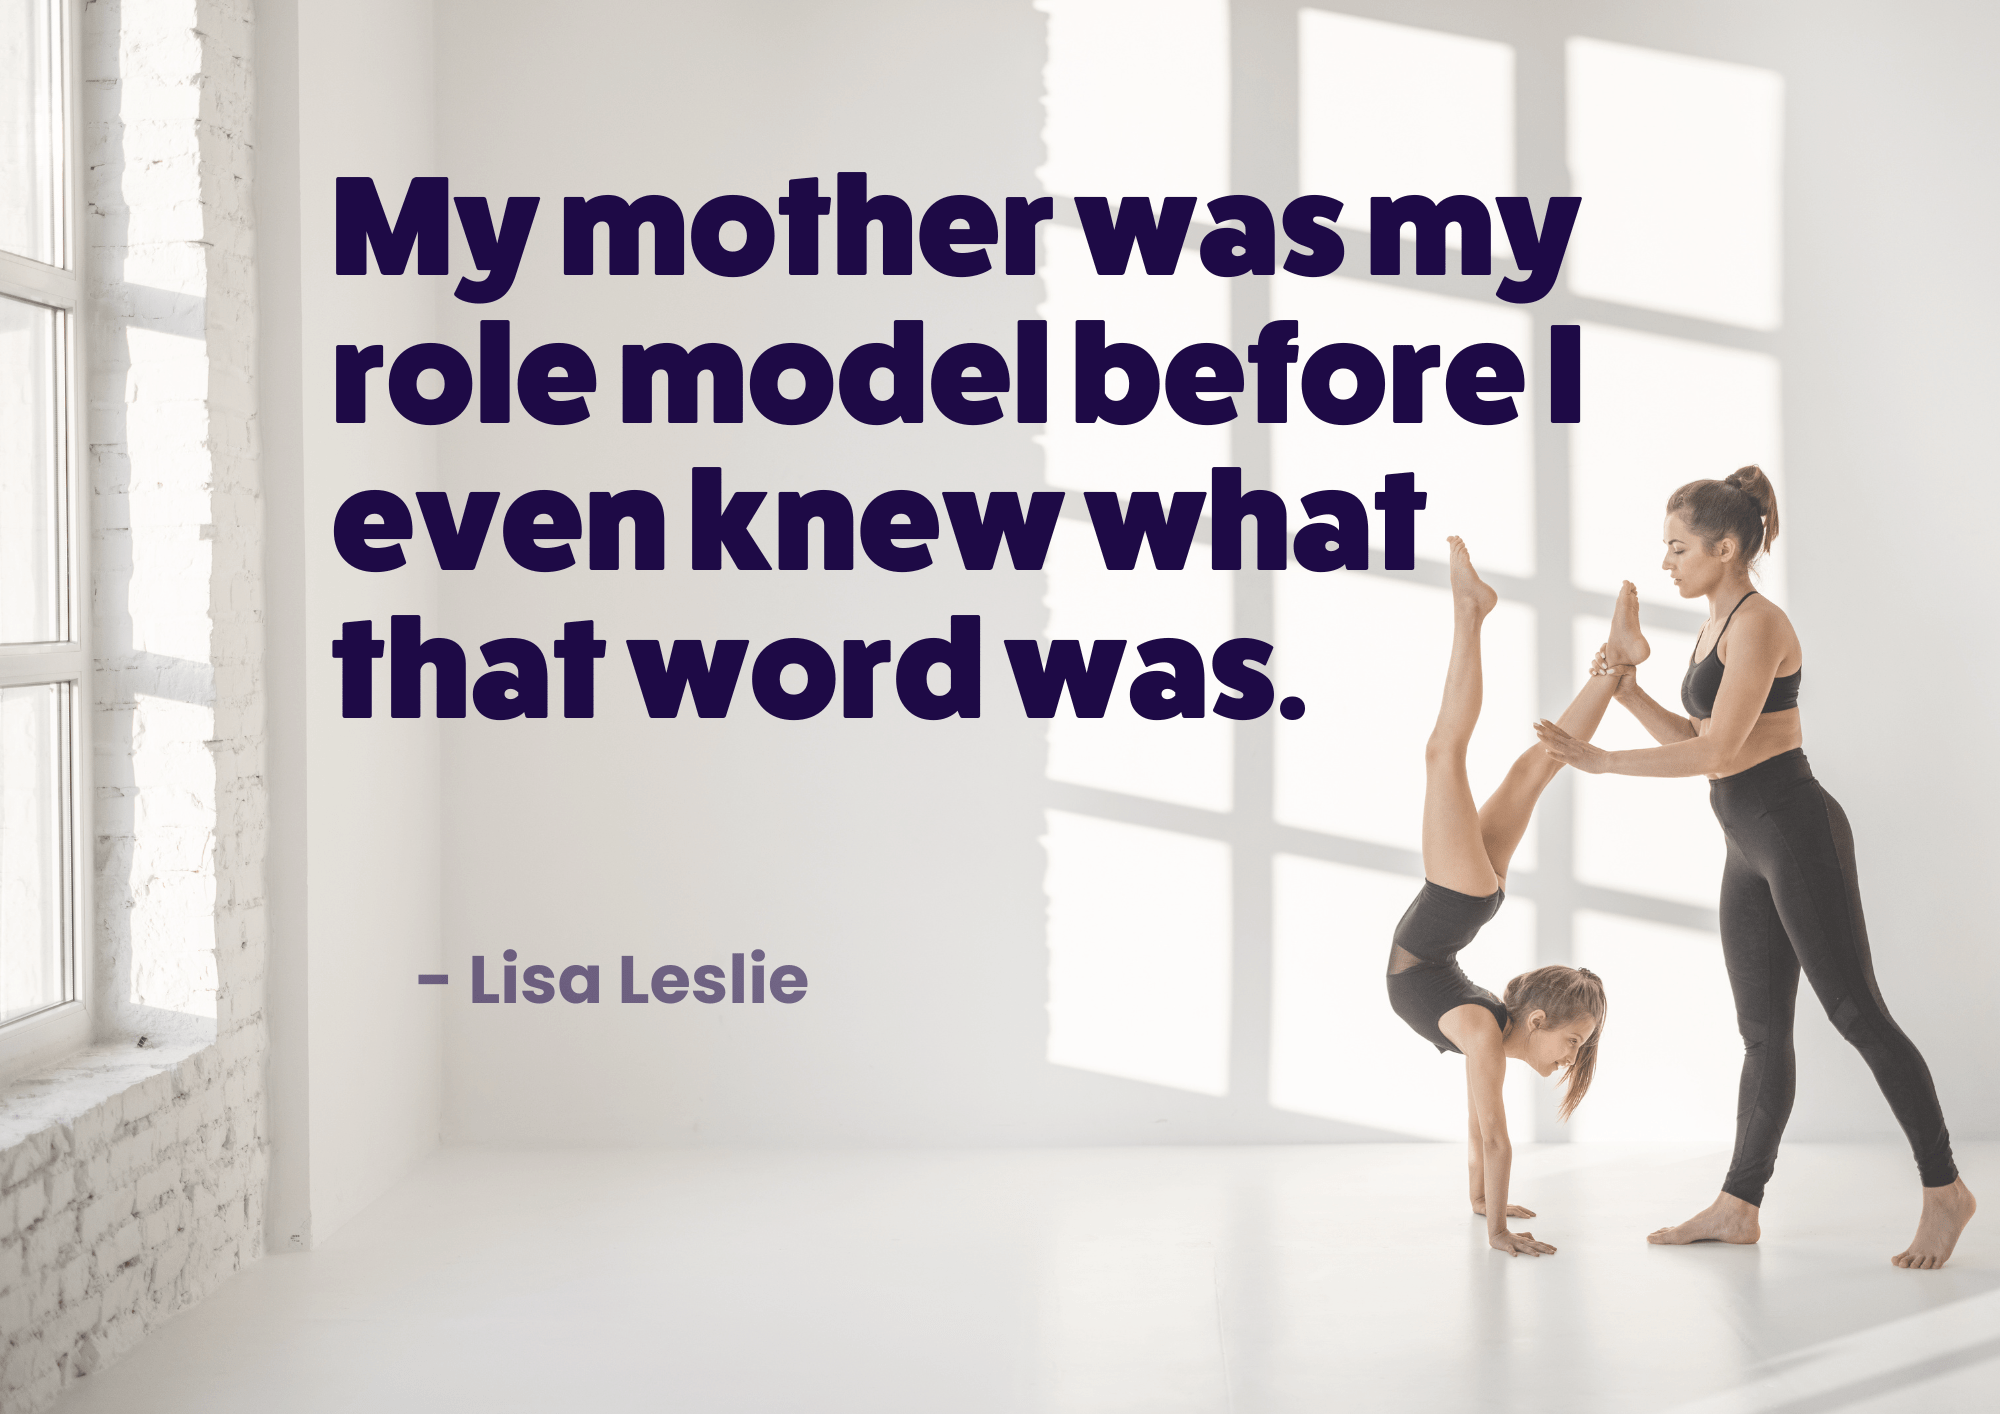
pixel 1755 652
pixel 1475 1032
pixel 1661 725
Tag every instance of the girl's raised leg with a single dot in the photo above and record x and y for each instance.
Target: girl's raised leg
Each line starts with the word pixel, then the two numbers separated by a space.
pixel 1468 847
pixel 1507 813
pixel 1454 853
pixel 1503 820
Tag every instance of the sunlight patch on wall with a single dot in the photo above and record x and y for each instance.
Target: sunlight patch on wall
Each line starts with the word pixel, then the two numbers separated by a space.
pixel 1186 760
pixel 1137 97
pixel 1391 110
pixel 1642 834
pixel 1480 478
pixel 1162 314
pixel 1680 164
pixel 1662 412
pixel 1368 653
pixel 1670 1057
pixel 1139 953
pixel 1337 1050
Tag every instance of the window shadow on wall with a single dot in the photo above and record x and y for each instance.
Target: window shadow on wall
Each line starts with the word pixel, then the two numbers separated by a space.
pixel 1221 897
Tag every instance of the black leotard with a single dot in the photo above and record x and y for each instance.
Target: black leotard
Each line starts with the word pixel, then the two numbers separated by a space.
pixel 1434 929
pixel 1704 679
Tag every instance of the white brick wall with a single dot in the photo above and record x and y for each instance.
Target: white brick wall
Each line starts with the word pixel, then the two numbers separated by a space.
pixel 132 1178
pixel 128 1188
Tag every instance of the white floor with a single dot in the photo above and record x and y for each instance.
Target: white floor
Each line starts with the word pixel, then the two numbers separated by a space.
pixel 1094 1281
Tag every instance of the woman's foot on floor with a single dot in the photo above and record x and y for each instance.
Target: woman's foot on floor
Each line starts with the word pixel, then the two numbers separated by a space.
pixel 1727 1219
pixel 1627 644
pixel 1946 1212
pixel 1470 593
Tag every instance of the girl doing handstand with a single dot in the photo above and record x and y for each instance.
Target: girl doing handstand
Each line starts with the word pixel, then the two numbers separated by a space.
pixel 1553 1017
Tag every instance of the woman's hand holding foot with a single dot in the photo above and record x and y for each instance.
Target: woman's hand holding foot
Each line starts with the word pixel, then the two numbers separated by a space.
pixel 1627 645
pixel 1946 1212
pixel 1727 1219
pixel 1518 1244
pixel 1601 666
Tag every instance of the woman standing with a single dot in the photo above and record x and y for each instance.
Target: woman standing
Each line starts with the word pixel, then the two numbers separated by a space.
pixel 1791 900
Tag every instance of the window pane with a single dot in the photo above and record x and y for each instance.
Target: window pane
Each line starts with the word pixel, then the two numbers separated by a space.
pixel 30 527
pixel 33 760
pixel 28 132
pixel 1337 1050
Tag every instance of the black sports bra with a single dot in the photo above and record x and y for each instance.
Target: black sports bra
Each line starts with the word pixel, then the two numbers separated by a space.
pixel 1704 680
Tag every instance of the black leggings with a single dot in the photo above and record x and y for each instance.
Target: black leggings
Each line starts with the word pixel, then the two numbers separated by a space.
pixel 1791 899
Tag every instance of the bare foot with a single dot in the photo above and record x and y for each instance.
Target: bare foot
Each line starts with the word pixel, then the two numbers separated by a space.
pixel 1627 644
pixel 1468 591
pixel 1727 1219
pixel 1946 1212
pixel 1514 1210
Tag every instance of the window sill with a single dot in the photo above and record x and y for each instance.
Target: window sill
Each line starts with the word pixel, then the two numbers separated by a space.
pixel 69 1088
pixel 42 1040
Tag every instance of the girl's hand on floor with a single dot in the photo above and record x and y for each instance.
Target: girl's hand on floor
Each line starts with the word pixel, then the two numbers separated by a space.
pixel 1519 1244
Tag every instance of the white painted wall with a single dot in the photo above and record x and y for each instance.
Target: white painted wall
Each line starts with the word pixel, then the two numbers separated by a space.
pixel 1887 357
pixel 899 861
pixel 356 1073
pixel 895 860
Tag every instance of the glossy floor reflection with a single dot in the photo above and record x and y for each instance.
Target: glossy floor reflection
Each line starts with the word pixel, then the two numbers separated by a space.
pixel 1093 1281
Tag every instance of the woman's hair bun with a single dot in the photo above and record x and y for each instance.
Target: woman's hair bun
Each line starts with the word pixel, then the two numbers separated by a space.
pixel 1743 506
pixel 1747 478
pixel 1752 482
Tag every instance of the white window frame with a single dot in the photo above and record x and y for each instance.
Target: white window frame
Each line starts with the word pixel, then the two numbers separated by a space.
pixel 32 1041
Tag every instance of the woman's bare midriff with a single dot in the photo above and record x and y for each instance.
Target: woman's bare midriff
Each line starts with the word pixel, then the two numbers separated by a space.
pixel 1774 735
